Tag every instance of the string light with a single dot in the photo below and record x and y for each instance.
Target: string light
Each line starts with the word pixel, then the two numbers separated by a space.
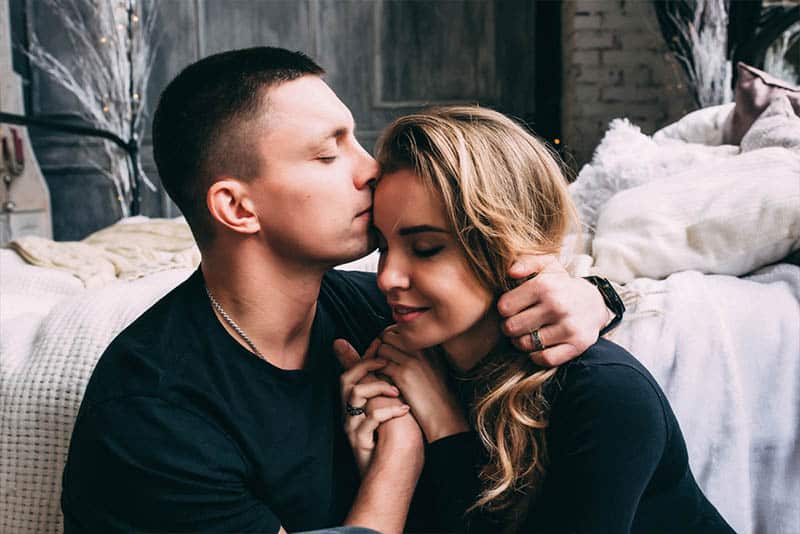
pixel 135 19
pixel 557 141
pixel 136 97
pixel 103 40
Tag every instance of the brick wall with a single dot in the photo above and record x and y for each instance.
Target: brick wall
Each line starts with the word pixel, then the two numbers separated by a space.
pixel 615 65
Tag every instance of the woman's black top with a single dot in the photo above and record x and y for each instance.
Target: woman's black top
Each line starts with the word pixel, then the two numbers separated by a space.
pixel 617 461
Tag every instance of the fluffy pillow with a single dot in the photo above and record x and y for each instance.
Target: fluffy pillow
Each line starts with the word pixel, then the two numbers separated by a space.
pixel 728 218
pixel 703 126
pixel 627 158
pixel 755 89
pixel 776 126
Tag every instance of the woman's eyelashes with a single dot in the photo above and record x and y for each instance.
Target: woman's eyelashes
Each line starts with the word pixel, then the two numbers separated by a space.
pixel 427 251
pixel 327 159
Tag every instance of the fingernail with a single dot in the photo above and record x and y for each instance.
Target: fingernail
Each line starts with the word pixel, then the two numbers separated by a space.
pixel 406 407
pixel 395 391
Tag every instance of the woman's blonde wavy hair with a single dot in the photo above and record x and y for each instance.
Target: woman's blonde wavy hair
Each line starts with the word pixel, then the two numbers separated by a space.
pixel 504 195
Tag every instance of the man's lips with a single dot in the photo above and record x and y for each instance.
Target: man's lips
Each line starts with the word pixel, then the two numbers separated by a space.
pixel 406 314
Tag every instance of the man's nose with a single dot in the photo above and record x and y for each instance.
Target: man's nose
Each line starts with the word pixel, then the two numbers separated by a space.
pixel 368 169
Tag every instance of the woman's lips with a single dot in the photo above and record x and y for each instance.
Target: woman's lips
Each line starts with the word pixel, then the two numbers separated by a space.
pixel 406 314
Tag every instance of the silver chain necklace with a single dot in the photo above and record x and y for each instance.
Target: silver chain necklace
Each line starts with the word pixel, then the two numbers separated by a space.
pixel 233 324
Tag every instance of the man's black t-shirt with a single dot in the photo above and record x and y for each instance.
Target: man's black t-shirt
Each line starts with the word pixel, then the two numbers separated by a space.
pixel 182 429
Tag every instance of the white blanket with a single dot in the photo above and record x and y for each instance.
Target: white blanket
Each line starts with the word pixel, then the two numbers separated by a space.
pixel 725 350
pixel 52 333
pixel 727 353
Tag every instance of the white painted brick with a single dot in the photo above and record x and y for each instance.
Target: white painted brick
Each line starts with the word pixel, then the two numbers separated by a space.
pixel 588 40
pixel 591 6
pixel 641 75
pixel 631 94
pixel 587 22
pixel 604 75
pixel 586 92
pixel 641 40
pixel 623 57
pixel 610 110
pixel 586 57
pixel 615 66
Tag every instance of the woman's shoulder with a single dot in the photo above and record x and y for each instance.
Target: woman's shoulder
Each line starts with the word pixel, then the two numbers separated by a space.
pixel 607 375
pixel 604 360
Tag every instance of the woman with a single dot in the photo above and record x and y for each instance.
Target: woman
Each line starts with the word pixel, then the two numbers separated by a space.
pixel 589 447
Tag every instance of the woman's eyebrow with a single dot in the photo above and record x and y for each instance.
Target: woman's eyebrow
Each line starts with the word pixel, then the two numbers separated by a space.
pixel 408 230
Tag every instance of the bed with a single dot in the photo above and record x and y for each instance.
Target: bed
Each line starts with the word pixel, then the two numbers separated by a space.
pixel 718 325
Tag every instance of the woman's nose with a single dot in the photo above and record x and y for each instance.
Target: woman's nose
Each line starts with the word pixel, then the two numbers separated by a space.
pixel 391 274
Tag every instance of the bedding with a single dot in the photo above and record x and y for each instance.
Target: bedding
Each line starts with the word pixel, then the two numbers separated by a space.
pixel 626 158
pixel 725 349
pixel 730 217
pixel 776 126
pixel 754 91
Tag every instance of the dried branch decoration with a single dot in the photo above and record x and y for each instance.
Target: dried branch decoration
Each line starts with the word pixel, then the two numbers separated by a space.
pixel 113 43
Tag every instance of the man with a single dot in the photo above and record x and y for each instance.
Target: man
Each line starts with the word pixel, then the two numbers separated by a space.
pixel 218 409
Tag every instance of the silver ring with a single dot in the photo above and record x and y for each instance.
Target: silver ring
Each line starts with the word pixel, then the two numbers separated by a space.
pixel 352 410
pixel 537 341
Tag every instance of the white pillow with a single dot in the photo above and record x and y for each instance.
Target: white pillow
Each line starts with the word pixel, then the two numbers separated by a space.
pixel 703 126
pixel 627 158
pixel 728 218
pixel 776 126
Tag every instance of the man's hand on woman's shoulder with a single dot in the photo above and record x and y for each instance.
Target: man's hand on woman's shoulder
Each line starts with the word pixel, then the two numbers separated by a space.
pixel 551 315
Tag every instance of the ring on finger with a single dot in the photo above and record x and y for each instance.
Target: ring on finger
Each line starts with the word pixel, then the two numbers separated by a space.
pixel 537 341
pixel 353 410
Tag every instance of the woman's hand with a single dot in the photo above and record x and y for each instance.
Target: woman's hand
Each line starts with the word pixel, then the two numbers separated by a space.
pixel 363 391
pixel 423 385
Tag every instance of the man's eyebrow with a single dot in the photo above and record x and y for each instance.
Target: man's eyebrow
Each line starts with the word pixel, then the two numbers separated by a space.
pixel 409 230
pixel 334 134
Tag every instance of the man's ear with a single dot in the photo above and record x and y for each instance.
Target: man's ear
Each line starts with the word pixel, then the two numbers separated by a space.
pixel 229 203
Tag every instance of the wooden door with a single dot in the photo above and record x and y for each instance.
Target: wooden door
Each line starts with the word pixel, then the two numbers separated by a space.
pixel 383 58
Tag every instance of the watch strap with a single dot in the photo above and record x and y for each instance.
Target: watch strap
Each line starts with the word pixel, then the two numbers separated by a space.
pixel 612 300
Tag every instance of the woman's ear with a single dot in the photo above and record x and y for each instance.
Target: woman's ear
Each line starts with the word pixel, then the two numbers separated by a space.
pixel 229 203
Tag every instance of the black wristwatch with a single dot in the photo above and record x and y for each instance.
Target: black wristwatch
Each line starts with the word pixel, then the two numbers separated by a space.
pixel 612 300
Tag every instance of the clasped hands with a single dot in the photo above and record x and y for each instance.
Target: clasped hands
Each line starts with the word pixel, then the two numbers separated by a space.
pixel 567 312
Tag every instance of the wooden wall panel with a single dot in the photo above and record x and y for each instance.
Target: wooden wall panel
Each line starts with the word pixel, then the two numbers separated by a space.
pixel 346 50
pixel 436 52
pixel 243 23
pixel 179 44
pixel 383 58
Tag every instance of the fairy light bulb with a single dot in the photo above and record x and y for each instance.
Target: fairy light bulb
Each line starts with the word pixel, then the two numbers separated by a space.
pixel 103 39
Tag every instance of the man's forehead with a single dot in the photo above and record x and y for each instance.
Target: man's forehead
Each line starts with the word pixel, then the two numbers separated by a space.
pixel 307 104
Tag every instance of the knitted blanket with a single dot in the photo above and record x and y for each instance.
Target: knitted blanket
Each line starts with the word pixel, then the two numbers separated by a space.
pixel 127 250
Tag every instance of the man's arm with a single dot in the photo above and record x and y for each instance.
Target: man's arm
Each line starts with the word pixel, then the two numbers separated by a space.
pixel 388 485
pixel 394 460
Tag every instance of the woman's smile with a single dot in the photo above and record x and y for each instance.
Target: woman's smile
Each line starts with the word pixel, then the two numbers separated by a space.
pixel 406 314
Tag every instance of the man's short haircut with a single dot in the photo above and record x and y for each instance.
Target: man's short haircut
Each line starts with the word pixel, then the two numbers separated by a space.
pixel 203 125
